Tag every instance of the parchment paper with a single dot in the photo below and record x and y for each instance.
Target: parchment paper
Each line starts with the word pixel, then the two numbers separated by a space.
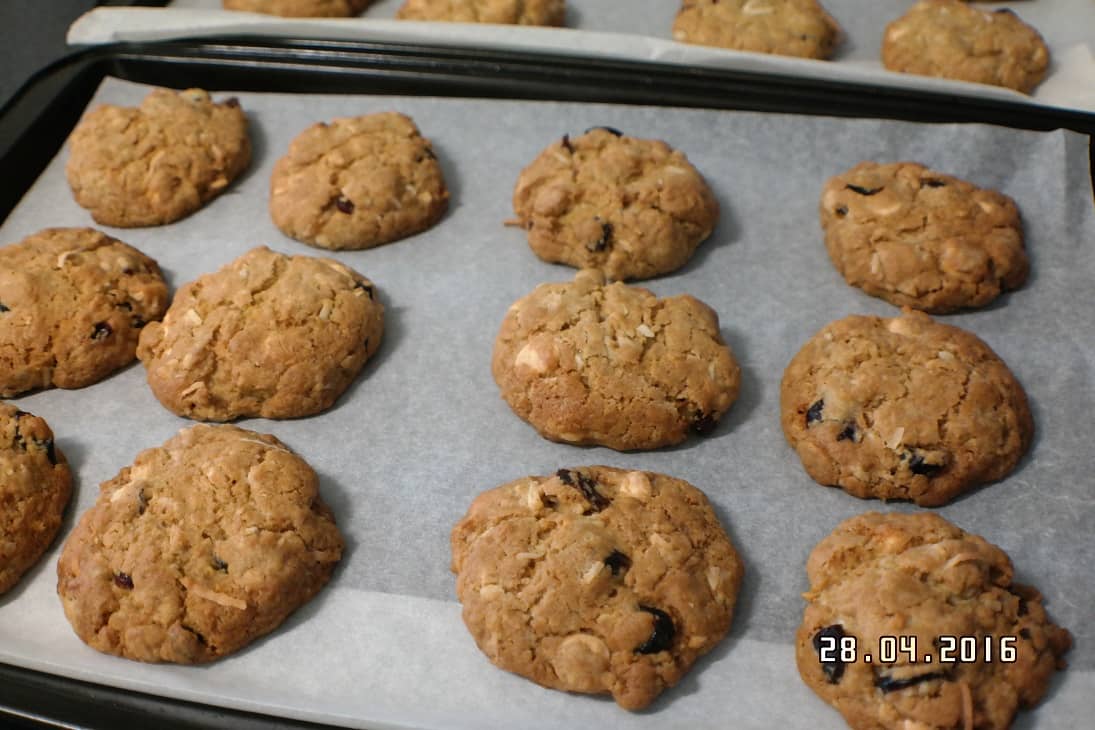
pixel 642 30
pixel 423 430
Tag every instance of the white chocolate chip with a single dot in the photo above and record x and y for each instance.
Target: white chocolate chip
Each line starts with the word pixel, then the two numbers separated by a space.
pixel 325 310
pixel 592 572
pixel 644 330
pixel 530 358
pixel 193 317
pixel 895 438
pixel 529 556
pixel 757 7
pixel 636 485
pixel 714 578
pixel 490 592
pixel 946 355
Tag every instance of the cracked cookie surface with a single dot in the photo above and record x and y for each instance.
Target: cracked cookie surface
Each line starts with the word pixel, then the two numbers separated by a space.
pixel 950 39
pixel 784 27
pixel 510 12
pixel 159 162
pixel 35 485
pixel 921 577
pixel 922 239
pixel 72 305
pixel 199 547
pixel 300 8
pixel 358 182
pixel 903 408
pixel 631 208
pixel 267 335
pixel 613 365
pixel 596 580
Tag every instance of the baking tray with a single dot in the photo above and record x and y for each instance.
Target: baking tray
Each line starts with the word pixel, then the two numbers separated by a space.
pixel 34 125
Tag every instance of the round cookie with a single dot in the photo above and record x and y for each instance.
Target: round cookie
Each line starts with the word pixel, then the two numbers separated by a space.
pixel 201 546
pixel 159 162
pixel 784 27
pixel 35 485
pixel 300 8
pixel 596 580
pixel 612 365
pixel 267 335
pixel 903 408
pixel 917 577
pixel 950 39
pixel 922 239
pixel 511 12
pixel 632 208
pixel 358 182
pixel 72 304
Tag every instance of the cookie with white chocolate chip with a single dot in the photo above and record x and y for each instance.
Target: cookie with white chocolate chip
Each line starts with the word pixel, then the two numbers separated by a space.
pixel 918 238
pixel 785 27
pixel 591 363
pixel 508 12
pixel 596 580
pixel 903 408
pixel 267 335
pixel 300 8
pixel 199 547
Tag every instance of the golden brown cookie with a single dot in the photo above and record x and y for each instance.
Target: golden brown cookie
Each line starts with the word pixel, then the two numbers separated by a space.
pixel 632 208
pixel 358 182
pixel 509 12
pixel 596 580
pixel 72 304
pixel 903 408
pixel 922 239
pixel 589 363
pixel 784 27
pixel 300 8
pixel 201 546
pixel 159 162
pixel 953 642
pixel 35 484
pixel 950 39
pixel 267 335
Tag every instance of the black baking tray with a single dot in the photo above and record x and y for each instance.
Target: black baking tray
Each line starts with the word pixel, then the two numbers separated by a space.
pixel 35 123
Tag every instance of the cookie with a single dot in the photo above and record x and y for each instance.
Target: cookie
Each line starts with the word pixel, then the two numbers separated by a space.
pixel 267 335
pixel 784 27
pixel 596 580
pixel 632 208
pixel 201 546
pixel 300 8
pixel 953 40
pixel 358 182
pixel 922 239
pixel 511 12
pixel 72 304
pixel 903 408
pixel 939 593
pixel 613 365
pixel 159 162
pixel 35 485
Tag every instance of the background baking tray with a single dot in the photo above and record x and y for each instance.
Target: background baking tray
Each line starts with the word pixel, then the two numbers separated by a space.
pixel 765 257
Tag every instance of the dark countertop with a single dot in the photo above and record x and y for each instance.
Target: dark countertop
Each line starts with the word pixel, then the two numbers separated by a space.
pixel 32 35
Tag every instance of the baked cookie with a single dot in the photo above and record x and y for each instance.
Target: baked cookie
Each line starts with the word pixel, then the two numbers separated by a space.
pixel 922 239
pixel 938 592
pixel 201 546
pixel 615 366
pixel 358 182
pixel 784 27
pixel 267 335
pixel 159 162
pixel 510 12
pixel 903 408
pixel 632 208
pixel 950 39
pixel 72 304
pixel 300 8
pixel 596 580
pixel 35 484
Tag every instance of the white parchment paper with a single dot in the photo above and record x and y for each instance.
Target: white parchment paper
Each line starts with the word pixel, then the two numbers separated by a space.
pixel 642 30
pixel 423 430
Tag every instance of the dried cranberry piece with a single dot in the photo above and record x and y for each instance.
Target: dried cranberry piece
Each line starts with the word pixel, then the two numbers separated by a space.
pixel 661 636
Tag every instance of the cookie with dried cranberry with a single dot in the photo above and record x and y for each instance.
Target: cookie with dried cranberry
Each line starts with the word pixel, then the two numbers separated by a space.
pixel 918 238
pixel 300 8
pixel 631 208
pixel 919 579
pixel 198 548
pixel 508 12
pixel 159 162
pixel 903 408
pixel 73 302
pixel 784 27
pixel 35 485
pixel 591 363
pixel 358 182
pixel 596 580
